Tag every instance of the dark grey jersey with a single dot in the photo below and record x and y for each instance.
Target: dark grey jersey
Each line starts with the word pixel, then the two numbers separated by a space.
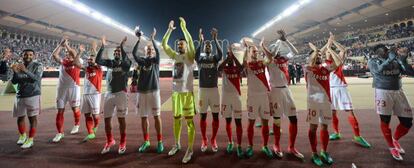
pixel 208 67
pixel 29 82
pixel 387 73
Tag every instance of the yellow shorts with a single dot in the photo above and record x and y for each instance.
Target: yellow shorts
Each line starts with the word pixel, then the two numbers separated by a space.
pixel 183 104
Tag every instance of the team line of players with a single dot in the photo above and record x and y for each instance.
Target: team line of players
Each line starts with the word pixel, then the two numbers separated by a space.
pixel 268 97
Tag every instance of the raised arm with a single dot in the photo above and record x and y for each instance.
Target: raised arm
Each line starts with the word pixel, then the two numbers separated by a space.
pixel 77 59
pixel 168 50
pixel 285 41
pixel 188 38
pixel 72 52
pixel 99 59
pixel 125 59
pixel 407 68
pixel 57 50
pixel 214 34
pixel 312 58
pixel 200 45
pixel 245 55
pixel 157 52
pixel 138 58
pixel 336 61
pixel 268 54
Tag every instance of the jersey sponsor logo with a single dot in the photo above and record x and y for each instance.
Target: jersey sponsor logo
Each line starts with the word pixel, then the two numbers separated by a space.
pixel 117 69
pixel 233 75
pixel 207 65
pixel 321 74
pixel 282 64
pixel 391 72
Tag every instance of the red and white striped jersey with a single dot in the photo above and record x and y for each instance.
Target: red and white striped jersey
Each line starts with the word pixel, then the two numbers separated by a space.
pixel 256 78
pixel 278 72
pixel 317 83
pixel 338 78
pixel 93 80
pixel 69 74
pixel 231 80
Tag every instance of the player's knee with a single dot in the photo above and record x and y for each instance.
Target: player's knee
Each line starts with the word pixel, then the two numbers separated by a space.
pixel 204 116
pixel 313 127
pixel 406 121
pixel 276 121
pixel 293 119
pixel 190 124
pixel 215 116
pixel 238 122
pixel 228 120
pixel 324 127
pixel 385 119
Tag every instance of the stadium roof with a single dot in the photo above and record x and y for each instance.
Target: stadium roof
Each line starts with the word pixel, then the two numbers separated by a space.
pixel 312 18
pixel 63 17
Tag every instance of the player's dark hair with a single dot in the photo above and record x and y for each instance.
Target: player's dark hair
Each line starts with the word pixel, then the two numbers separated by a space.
pixel 28 50
pixel 378 46
pixel 182 39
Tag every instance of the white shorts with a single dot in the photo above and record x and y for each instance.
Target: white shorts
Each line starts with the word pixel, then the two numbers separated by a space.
pixel 208 97
pixel 392 102
pixel 319 113
pixel 341 99
pixel 149 103
pixel 133 98
pixel 91 103
pixel 231 105
pixel 258 105
pixel 29 106
pixel 68 95
pixel 282 102
pixel 118 100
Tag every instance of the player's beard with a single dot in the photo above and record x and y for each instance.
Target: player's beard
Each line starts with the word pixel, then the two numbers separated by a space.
pixel 27 60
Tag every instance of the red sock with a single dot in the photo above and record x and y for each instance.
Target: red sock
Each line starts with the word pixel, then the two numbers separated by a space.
pixel 146 137
pixel 59 122
pixel 400 131
pixel 89 124
pixel 265 134
pixel 95 121
pixel 325 139
pixel 203 127
pixel 276 131
pixel 313 141
pixel 159 137
pixel 32 132
pixel 335 122
pixel 229 131
pixel 354 123
pixel 123 139
pixel 250 133
pixel 77 115
pixel 109 137
pixel 239 133
pixel 21 127
pixel 215 124
pixel 386 131
pixel 293 131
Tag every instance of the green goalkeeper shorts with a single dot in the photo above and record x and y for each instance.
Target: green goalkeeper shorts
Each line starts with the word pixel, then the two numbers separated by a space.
pixel 183 104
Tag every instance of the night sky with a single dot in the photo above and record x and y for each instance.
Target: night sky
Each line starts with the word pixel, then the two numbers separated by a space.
pixel 233 18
